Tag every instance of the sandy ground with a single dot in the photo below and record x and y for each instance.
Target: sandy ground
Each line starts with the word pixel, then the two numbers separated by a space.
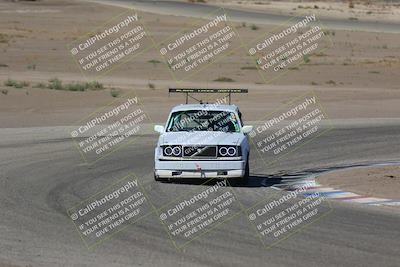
pixel 383 181
pixel 357 77
pixel 355 59
pixel 43 107
pixel 362 10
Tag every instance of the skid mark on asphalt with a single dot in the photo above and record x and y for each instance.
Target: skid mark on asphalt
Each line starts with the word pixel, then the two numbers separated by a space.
pixel 306 179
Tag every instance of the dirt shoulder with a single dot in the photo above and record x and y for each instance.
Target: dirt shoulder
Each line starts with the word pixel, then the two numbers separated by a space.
pixel 382 181
pixel 355 78
pixel 33 50
pixel 360 10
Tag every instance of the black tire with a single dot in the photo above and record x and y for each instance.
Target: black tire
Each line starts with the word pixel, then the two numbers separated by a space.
pixel 246 172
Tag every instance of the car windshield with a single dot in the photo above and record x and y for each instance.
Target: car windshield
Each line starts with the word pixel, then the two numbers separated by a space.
pixel 203 120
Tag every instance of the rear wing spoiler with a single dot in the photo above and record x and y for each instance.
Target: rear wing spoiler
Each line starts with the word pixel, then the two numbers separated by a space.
pixel 189 91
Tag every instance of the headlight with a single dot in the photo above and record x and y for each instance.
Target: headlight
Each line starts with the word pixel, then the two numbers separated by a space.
pixel 168 151
pixel 177 151
pixel 223 151
pixel 172 151
pixel 229 151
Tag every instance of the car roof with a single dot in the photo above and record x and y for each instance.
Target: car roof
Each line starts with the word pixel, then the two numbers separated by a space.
pixel 182 107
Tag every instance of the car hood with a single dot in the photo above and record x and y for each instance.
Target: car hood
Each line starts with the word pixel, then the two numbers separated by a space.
pixel 201 138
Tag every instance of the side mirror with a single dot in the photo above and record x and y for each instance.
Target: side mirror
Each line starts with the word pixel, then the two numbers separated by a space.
pixel 159 128
pixel 247 129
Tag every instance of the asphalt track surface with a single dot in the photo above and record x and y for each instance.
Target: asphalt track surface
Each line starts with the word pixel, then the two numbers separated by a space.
pixel 42 174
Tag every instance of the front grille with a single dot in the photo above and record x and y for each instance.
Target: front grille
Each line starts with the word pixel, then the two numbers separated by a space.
pixel 200 151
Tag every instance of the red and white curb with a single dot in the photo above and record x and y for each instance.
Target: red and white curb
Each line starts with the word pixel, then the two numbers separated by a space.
pixel 312 187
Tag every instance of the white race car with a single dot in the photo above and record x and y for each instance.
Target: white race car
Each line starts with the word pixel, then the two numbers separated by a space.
pixel 202 141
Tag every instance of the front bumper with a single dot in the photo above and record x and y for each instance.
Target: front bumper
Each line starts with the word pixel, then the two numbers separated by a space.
pixel 199 169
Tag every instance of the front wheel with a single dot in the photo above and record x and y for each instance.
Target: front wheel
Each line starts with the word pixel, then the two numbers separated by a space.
pixel 247 170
